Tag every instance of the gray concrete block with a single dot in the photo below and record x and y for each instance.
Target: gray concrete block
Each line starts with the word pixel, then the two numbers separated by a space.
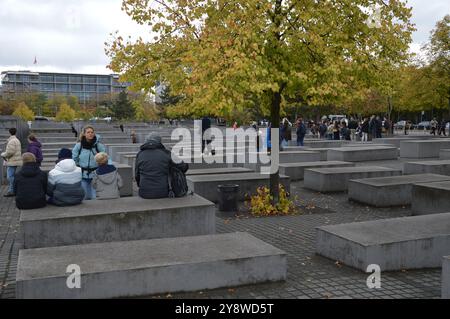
pixel 441 167
pixel 114 151
pixel 298 156
pixel 147 267
pixel 388 191
pixel 126 173
pixel 394 141
pixel 423 149
pixel 430 198
pixel 129 218
pixel 324 143
pixel 335 179
pixel 283 157
pixel 445 287
pixel 361 154
pixel 2 169
pixel 399 243
pixel 296 170
pixel 121 157
pixel 206 185
pixel 295 148
pixel 444 154
pixel 214 171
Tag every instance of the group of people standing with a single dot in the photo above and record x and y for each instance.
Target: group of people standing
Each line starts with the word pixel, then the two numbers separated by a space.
pixel 335 130
pixel 83 173
pixel 439 126
pixel 364 130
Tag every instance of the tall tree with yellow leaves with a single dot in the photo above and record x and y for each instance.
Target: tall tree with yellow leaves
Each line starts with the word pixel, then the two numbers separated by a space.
pixel 218 53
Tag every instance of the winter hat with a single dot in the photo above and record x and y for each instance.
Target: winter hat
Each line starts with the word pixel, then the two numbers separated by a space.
pixel 64 153
pixel 154 138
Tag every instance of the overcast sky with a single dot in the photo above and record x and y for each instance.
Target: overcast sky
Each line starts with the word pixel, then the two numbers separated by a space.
pixel 69 35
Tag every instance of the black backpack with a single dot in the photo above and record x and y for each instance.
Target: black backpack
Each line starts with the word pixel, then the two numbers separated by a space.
pixel 177 183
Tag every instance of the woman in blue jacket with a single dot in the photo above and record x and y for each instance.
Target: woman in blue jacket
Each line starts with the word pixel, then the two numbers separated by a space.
pixel 84 156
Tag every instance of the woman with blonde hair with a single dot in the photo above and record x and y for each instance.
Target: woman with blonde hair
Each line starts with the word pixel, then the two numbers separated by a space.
pixel 83 154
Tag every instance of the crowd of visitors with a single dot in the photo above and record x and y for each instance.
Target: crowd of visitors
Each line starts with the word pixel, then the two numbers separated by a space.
pixel 85 172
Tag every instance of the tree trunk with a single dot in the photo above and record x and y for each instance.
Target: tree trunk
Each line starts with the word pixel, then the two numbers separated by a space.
pixel 275 120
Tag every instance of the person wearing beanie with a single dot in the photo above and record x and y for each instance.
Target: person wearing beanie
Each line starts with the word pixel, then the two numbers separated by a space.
pixel 107 180
pixel 63 154
pixel 152 168
pixel 30 184
pixel 64 181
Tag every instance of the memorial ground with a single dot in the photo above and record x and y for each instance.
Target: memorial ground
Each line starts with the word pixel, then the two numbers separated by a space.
pixel 308 275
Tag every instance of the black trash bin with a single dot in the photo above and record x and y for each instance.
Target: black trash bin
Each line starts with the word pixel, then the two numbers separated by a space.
pixel 228 197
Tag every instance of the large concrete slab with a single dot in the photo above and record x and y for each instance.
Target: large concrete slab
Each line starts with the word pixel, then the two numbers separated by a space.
pixel 441 167
pixel 214 171
pixel 445 287
pixel 116 150
pixel 363 153
pixel 335 179
pixel 130 218
pixel 394 141
pixel 296 170
pixel 388 191
pixel 423 149
pixel 147 267
pixel 283 157
pixel 393 244
pixel 206 185
pixel 430 198
pixel 324 143
pixel 298 156
pixel 444 154
pixel 193 162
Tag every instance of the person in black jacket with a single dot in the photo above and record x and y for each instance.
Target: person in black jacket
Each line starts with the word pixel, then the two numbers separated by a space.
pixel 206 140
pixel 152 168
pixel 378 127
pixel 365 129
pixel 30 184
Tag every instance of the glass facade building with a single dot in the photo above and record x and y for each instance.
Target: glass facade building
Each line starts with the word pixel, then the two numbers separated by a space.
pixel 86 87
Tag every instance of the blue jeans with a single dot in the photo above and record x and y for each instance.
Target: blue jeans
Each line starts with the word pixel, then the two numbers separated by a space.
pixel 10 171
pixel 300 141
pixel 284 143
pixel 89 191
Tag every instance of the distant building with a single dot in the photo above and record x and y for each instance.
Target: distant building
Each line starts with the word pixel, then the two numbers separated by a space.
pixel 86 87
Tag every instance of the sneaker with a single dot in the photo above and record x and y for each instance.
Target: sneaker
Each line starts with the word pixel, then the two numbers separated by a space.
pixel 9 195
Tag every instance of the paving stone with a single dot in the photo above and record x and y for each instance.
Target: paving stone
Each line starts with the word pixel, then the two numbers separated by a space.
pixel 329 209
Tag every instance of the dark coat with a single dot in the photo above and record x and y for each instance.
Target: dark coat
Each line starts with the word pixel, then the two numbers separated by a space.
pixel 30 185
pixel 206 123
pixel 36 149
pixel 152 170
pixel 365 127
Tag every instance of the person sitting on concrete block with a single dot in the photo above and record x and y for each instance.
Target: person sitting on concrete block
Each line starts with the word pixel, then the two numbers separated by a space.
pixel 153 163
pixel 106 180
pixel 30 184
pixel 64 181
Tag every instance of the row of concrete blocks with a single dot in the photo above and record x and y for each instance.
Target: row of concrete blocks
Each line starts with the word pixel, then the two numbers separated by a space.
pixel 392 244
pixel 131 247
pixel 417 188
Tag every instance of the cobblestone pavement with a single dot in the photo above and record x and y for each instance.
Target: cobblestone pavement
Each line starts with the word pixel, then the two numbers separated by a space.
pixel 309 275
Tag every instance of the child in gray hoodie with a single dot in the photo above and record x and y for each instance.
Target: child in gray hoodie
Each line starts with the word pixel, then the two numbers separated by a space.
pixel 106 180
